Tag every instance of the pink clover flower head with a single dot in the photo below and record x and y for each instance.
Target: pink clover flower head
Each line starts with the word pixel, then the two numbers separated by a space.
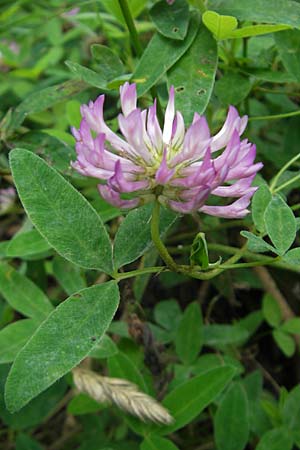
pixel 182 168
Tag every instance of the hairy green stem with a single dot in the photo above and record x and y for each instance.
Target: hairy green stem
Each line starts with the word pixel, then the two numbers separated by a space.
pixel 287 183
pixel 155 234
pixel 138 272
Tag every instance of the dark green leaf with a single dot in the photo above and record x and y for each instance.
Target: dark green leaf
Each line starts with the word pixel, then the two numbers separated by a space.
pixel 110 65
pixel 106 348
pixel 154 442
pixel 68 275
pixel 222 335
pixel 288 44
pixel 291 412
pixel 60 213
pixel 171 20
pixel 193 396
pixel 193 75
pixel 189 337
pixel 133 237
pixel 83 404
pixel 160 55
pixel 276 439
pixel 232 88
pixel 61 342
pixel 87 75
pixel 232 420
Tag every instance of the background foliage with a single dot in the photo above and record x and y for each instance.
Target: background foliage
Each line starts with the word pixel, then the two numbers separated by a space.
pixel 221 355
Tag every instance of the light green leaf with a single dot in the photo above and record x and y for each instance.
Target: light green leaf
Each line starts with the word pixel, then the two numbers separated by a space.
pixel 43 99
pixel 167 313
pixel 283 12
pixel 121 366
pixel 110 66
pixel 231 428
pixel 60 213
pixel 257 244
pixel 83 404
pixel 291 325
pixel 68 275
pixel 288 44
pixel 220 26
pixel 171 20
pixel 260 201
pixel 280 224
pixel 256 30
pixel 133 237
pixel 285 342
pixel 189 337
pixel 232 88
pixel 271 310
pixel 154 442
pixel 293 256
pixel 190 398
pixel 160 55
pixel 26 244
pixel 61 342
pixel 276 439
pixel 106 348
pixel 87 75
pixel 22 294
pixel 193 75
pixel 222 335
pixel 113 7
pixel 13 337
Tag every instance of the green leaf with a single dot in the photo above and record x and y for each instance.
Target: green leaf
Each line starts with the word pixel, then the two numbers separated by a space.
pixel 106 348
pixel 193 76
pixel 13 337
pixel 292 256
pixel 260 201
pixel 232 89
pixel 276 439
pixel 160 55
pixel 280 224
pixel 154 442
pixel 60 213
pixel 27 244
pixel 83 404
pixel 291 325
pixel 121 366
pixel 285 342
pixel 189 399
pixel 171 20
pixel 199 252
pixel 223 335
pixel 110 65
pixel 167 313
pixel 220 26
pixel 22 294
pixel 61 342
pixel 283 12
pixel 257 244
pixel 189 337
pixel 291 412
pixel 68 275
pixel 288 44
pixel 133 237
pixel 256 30
pixel 24 442
pixel 271 311
pixel 43 99
pixel 231 425
pixel 87 75
pixel 113 7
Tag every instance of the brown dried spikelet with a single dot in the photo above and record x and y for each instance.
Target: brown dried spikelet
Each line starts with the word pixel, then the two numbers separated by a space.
pixel 122 393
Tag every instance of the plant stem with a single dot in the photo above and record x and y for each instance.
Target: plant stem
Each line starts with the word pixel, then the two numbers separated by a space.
pixel 131 27
pixel 134 273
pixel 276 116
pixel 283 169
pixel 287 183
pixel 160 246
